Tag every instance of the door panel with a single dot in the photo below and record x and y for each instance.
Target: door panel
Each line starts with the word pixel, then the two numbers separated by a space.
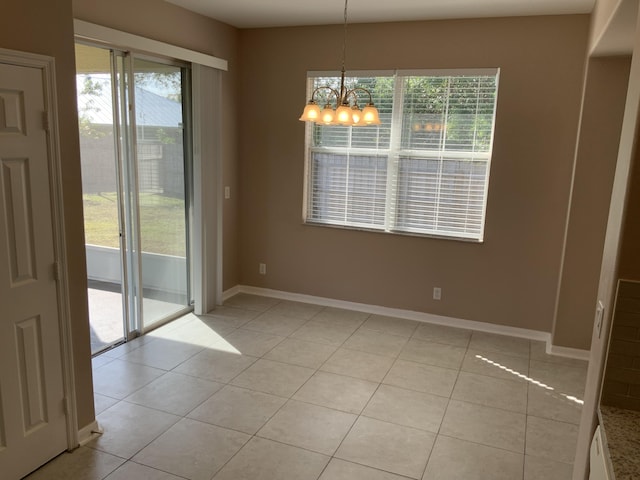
pixel 161 193
pixel 15 175
pixel 32 418
pixel 31 371
pixel 101 196
pixel 11 112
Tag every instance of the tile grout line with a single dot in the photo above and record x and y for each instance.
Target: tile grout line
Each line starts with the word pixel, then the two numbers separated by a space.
pixel 424 471
pixel 316 370
pixel 251 437
pixel 526 419
pixel 363 408
pixel 288 399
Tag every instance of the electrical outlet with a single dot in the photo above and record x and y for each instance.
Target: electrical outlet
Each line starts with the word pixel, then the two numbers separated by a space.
pixel 437 293
pixel 227 193
pixel 263 269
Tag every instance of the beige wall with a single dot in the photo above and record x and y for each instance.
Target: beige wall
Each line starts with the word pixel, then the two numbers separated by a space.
pixel 597 152
pixel 45 27
pixel 627 154
pixel 510 279
pixel 168 23
pixel 629 267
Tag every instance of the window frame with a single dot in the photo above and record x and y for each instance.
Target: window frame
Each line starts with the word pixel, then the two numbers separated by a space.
pixel 394 152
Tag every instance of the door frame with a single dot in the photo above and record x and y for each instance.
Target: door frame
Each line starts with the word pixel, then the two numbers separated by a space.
pixel 125 127
pixel 46 65
pixel 206 101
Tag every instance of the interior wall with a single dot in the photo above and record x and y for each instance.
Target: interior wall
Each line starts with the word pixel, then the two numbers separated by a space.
pixel 44 27
pixel 511 278
pixel 177 26
pixel 629 267
pixel 627 153
pixel 597 152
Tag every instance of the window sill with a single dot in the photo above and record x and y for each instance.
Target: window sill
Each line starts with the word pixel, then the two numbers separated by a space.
pixel 308 223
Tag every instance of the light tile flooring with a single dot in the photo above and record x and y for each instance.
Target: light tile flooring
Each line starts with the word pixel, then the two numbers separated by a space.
pixel 105 315
pixel 276 390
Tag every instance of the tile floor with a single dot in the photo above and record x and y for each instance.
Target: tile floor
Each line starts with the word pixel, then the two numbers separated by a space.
pixel 105 314
pixel 277 390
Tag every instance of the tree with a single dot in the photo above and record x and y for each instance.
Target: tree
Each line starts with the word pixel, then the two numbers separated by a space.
pixel 167 84
pixel 91 90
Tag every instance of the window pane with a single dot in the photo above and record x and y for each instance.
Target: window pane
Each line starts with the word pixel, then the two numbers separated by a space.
pixel 161 188
pixel 441 196
pixel 424 113
pixel 417 187
pixel 372 137
pixel 348 189
pixel 470 113
pixel 448 113
pixel 101 200
pixel 436 155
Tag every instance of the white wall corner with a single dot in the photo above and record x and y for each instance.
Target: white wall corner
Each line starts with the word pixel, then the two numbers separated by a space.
pixel 568 352
pixel 227 294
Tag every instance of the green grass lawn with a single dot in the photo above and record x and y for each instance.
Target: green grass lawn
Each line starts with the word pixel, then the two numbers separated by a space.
pixel 162 222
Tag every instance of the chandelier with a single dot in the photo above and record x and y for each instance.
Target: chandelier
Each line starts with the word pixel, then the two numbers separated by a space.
pixel 347 112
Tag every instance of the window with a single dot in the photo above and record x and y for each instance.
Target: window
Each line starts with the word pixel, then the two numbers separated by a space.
pixel 423 171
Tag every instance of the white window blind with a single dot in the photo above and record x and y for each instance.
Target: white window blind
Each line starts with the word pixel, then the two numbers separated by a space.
pixel 424 170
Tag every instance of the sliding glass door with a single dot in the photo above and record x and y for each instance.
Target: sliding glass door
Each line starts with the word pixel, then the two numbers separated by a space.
pixel 135 173
pixel 101 190
pixel 161 188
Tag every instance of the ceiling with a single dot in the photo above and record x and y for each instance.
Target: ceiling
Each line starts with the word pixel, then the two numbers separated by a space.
pixel 280 13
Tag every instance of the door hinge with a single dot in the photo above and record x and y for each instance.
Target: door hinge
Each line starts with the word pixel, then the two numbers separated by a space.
pixel 56 271
pixel 45 121
pixel 66 405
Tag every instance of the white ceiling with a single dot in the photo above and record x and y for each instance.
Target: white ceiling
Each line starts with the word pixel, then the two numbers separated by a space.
pixel 279 13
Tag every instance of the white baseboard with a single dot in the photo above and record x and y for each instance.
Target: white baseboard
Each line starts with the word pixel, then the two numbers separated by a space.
pixel 393 312
pixel 418 316
pixel 568 352
pixel 227 294
pixel 89 432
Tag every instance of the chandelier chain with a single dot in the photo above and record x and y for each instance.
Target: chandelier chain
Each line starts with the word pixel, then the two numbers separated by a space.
pixel 345 113
pixel 344 39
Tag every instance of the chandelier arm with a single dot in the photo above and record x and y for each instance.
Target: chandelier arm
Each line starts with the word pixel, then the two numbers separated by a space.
pixel 325 87
pixel 359 89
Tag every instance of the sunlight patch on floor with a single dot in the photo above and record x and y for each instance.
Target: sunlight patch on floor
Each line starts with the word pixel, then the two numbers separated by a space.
pixel 529 379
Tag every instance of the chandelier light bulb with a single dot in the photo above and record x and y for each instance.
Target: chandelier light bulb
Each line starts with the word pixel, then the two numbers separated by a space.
pixel 327 115
pixel 356 116
pixel 311 112
pixel 343 114
pixel 370 115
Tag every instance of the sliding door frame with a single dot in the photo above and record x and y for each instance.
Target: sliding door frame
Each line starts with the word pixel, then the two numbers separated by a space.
pixel 120 132
pixel 139 326
pixel 204 107
pixel 127 183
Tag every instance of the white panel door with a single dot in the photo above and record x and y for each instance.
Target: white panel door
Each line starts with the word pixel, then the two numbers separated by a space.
pixel 32 415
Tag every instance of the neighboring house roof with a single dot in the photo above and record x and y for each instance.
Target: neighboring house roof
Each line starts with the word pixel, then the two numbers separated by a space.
pixel 152 110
